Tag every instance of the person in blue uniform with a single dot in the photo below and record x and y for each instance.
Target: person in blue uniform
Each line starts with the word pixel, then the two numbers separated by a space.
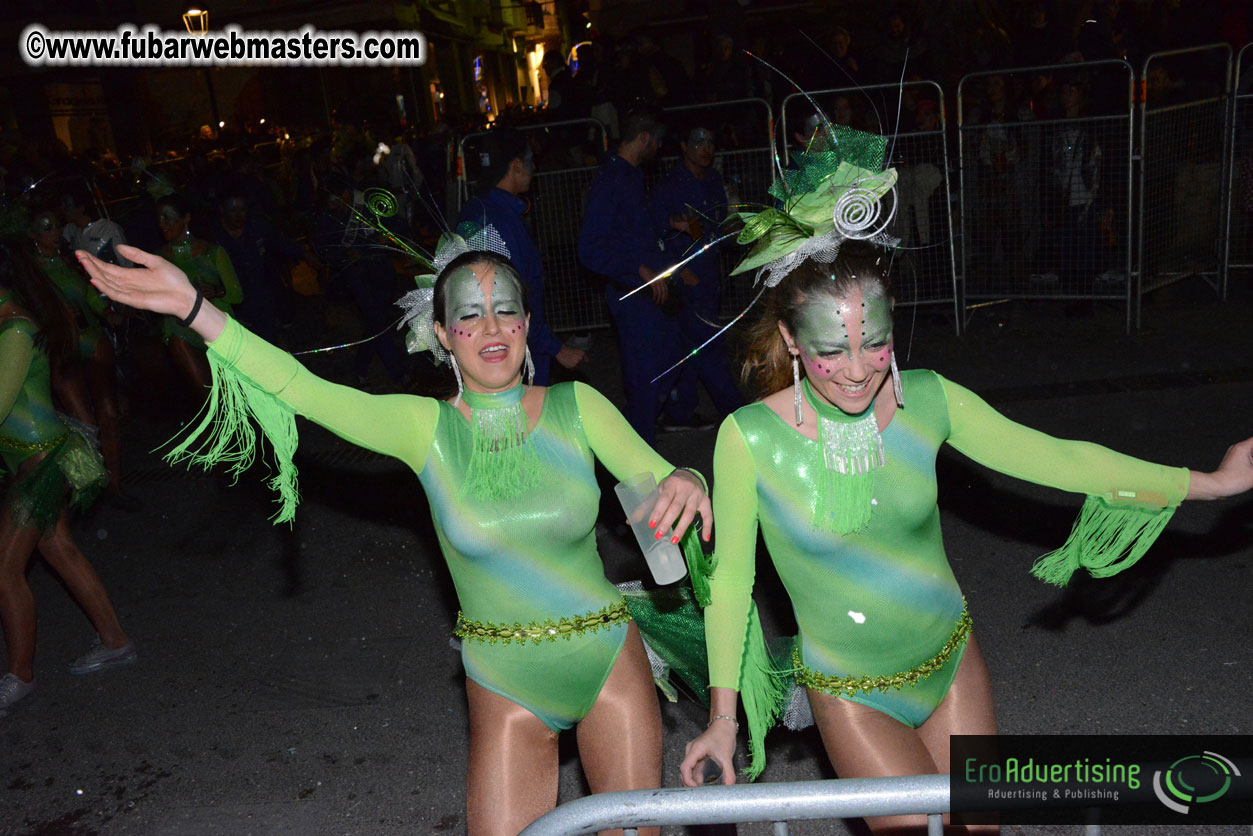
pixel 620 241
pixel 691 202
pixel 508 166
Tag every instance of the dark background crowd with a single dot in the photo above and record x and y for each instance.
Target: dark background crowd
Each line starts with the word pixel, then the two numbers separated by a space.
pixel 318 267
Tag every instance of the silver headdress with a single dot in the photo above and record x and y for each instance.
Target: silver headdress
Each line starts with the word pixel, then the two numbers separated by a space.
pixel 419 304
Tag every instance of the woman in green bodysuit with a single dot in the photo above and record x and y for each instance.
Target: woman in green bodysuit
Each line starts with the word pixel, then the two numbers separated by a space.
pixel 508 470
pixel 86 383
pixel 836 465
pixel 52 467
pixel 209 269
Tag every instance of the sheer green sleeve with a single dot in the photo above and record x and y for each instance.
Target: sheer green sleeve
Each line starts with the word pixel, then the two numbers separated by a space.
pixel 17 349
pixel 731 584
pixel 234 292
pixel 254 380
pixel 616 445
pixel 1129 500
pixel 738 657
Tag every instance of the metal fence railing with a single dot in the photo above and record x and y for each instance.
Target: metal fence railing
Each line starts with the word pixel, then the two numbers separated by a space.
pixel 558 192
pixel 1183 156
pixel 1046 182
pixel 777 803
pixel 1240 167
pixel 742 130
pixel 911 115
pixel 572 300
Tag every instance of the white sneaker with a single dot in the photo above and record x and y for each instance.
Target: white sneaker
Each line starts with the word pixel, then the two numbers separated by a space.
pixel 13 689
pixel 101 658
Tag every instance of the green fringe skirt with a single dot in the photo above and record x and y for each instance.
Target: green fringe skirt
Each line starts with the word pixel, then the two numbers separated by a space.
pixel 72 474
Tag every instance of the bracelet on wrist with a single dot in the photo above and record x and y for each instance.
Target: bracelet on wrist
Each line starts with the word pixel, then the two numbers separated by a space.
pixel 723 717
pixel 695 474
pixel 195 309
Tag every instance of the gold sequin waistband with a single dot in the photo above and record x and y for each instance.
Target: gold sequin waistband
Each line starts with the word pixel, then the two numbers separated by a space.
pixel 548 630
pixel 849 685
pixel 31 447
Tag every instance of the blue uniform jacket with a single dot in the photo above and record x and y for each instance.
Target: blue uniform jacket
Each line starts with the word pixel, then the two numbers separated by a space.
pixel 681 193
pixel 619 232
pixel 504 212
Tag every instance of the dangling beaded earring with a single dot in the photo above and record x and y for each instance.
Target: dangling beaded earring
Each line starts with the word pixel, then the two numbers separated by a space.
pixel 796 390
pixel 896 382
pixel 456 370
pixel 530 368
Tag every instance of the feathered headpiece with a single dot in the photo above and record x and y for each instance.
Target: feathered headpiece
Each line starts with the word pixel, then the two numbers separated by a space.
pixel 835 194
pixel 419 304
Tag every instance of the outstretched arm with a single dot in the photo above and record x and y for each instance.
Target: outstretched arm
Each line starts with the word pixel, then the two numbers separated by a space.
pixel 730 589
pixel 394 425
pixel 1234 475
pixel 1129 502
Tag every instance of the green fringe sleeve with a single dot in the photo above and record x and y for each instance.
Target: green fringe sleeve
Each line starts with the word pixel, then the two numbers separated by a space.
pixel 1107 537
pixel 764 685
pixel 225 433
pixel 763 688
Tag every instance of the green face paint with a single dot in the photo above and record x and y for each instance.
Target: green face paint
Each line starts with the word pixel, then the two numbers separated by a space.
pixel 467 307
pixel 845 343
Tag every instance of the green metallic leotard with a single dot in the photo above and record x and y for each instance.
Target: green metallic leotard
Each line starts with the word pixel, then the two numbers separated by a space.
pixel 83 299
pixel 28 421
pixel 877 607
pixel 29 425
pixel 529 560
pixel 211 269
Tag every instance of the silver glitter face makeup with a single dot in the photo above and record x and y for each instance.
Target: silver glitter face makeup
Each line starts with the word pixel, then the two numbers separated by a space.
pixel 467 306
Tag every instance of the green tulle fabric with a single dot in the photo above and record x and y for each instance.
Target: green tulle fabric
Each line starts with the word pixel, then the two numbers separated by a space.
pixel 71 474
pixel 225 433
pixel 503 462
pixel 674 628
pixel 1106 538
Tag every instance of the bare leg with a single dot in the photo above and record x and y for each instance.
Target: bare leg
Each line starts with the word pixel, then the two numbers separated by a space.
pixel 620 738
pixel 512 774
pixel 58 548
pixel 967 708
pixel 864 743
pixel 17 604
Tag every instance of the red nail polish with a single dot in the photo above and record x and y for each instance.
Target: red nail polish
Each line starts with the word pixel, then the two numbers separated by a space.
pixel 652 523
pixel 674 539
pixel 658 537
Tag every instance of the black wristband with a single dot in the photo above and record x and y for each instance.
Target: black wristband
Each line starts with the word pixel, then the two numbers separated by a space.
pixel 195 309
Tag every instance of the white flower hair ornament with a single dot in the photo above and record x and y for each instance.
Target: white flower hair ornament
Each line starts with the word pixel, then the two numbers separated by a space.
pixel 419 304
pixel 832 196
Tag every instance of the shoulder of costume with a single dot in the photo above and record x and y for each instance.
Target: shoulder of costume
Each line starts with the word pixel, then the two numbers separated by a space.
pixel 920 381
pixel 21 324
pixel 565 389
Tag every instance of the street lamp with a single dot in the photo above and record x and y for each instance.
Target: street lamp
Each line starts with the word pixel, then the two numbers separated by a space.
pixel 196 21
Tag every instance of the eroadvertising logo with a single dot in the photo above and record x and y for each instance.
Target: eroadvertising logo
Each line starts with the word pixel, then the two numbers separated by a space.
pixel 1128 779
pixel 1210 772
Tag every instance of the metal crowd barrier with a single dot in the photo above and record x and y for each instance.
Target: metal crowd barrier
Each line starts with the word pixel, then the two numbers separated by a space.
pixel 572 300
pixel 1045 198
pixel 742 130
pixel 917 148
pixel 1183 159
pixel 1240 167
pixel 777 803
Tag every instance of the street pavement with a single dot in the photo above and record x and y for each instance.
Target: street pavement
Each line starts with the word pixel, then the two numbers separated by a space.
pixel 301 680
